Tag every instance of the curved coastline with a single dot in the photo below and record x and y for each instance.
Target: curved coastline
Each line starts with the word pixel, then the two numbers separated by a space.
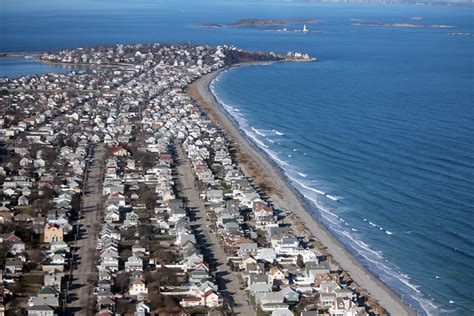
pixel 285 196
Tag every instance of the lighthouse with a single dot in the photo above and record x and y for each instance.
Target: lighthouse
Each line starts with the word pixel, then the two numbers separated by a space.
pixel 305 29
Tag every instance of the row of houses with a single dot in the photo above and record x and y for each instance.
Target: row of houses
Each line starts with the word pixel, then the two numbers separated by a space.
pixel 279 268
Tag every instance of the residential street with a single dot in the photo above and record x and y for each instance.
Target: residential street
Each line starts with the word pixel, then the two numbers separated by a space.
pixel 80 290
pixel 228 281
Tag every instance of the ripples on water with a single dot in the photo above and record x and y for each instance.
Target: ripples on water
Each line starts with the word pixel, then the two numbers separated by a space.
pixel 385 169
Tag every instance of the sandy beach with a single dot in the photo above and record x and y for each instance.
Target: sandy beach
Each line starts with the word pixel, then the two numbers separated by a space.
pixel 271 178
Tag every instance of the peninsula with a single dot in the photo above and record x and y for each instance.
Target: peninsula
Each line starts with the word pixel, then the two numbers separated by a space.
pixel 126 189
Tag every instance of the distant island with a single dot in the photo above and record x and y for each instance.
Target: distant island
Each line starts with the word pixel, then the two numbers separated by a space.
pixel 401 25
pixel 258 23
pixel 416 2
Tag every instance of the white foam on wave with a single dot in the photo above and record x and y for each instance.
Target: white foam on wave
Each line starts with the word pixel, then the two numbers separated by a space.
pixel 308 187
pixel 374 258
pixel 388 232
pixel 259 132
pixel 333 197
pixel 271 141
pixel 304 175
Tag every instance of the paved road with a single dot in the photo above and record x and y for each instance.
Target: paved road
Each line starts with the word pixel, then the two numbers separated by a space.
pixel 80 291
pixel 229 283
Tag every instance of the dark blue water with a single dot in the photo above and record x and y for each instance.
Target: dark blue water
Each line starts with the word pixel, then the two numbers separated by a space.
pixel 378 134
pixel 16 67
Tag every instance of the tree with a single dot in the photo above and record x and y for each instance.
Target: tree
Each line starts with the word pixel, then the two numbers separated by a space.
pixel 121 281
pixel 299 261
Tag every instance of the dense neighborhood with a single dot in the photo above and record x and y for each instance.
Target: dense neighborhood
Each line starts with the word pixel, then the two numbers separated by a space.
pixel 120 196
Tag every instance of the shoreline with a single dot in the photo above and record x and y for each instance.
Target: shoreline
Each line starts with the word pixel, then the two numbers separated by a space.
pixel 256 163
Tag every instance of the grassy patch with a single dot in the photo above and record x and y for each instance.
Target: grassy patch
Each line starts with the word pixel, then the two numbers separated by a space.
pixel 31 279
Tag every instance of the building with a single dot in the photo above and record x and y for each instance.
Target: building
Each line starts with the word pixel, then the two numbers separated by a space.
pixel 53 233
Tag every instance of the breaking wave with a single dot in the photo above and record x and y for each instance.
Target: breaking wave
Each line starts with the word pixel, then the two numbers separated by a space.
pixel 345 231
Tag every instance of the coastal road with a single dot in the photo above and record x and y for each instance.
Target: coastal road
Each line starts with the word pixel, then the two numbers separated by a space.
pixel 80 290
pixel 228 281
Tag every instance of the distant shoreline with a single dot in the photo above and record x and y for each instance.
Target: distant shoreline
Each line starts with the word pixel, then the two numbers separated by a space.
pixel 259 166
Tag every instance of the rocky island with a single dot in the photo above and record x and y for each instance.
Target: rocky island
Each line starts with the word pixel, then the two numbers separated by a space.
pixel 260 23
pixel 401 25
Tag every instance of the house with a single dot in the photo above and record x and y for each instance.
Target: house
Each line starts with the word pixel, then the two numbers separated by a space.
pixel 142 309
pixel 53 233
pixel 112 216
pixel 53 278
pixel 13 266
pixel 290 295
pixel 134 263
pixel 282 312
pixel 138 288
pixel 131 219
pixel 48 295
pixel 276 276
pixel 17 247
pixel 270 301
pixel 104 286
pixel 119 151
pixel 207 299
pixel 215 196
pixel 138 249
pixel 58 246
pixel 41 310
pixel 212 299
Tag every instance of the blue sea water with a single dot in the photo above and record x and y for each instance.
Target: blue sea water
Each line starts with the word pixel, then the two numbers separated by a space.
pixel 17 67
pixel 378 135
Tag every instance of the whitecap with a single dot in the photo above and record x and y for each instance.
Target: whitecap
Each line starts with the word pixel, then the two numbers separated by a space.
pixel 258 131
pixel 354 230
pixel 451 302
pixel 388 232
pixel 278 133
pixel 332 197
pixel 308 187
pixel 302 174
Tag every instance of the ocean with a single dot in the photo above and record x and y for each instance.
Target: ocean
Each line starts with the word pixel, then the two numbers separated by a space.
pixel 378 135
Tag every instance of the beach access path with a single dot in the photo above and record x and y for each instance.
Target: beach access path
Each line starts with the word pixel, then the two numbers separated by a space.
pixel 229 283
pixel 256 164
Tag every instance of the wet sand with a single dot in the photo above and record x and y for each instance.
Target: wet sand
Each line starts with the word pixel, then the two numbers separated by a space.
pixel 271 178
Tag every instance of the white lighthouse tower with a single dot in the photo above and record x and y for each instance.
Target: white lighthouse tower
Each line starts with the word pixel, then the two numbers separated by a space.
pixel 305 29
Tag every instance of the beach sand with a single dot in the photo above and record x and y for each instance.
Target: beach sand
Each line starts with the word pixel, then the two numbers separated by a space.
pixel 271 178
